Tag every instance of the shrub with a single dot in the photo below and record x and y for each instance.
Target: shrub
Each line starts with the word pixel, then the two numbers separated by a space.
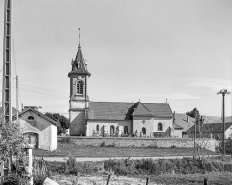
pixel 65 140
pixel 14 179
pixel 103 144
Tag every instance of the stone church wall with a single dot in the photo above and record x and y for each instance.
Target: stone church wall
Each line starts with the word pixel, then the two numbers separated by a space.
pixel 209 144
pixel 77 125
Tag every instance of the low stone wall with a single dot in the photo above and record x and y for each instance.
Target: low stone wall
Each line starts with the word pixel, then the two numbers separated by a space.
pixel 209 144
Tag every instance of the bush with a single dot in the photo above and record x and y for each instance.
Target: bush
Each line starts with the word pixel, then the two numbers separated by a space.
pixel 129 167
pixel 65 140
pixel 14 179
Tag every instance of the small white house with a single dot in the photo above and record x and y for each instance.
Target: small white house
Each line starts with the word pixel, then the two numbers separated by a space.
pixel 38 129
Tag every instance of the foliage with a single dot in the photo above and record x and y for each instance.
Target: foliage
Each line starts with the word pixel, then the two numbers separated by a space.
pixel 193 113
pixel 14 179
pixel 11 142
pixel 127 167
pixel 63 122
pixel 194 179
pixel 65 140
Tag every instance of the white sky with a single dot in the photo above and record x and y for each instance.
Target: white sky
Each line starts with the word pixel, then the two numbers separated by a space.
pixel 136 49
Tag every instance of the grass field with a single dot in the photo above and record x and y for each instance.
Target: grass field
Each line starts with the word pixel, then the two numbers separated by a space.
pixel 64 150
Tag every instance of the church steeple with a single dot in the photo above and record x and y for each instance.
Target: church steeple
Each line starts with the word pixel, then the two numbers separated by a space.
pixel 78 102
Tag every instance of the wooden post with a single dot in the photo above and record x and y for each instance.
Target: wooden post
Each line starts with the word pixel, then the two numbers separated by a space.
pixel 147 181
pixel 2 169
pixel 77 178
pixel 30 167
pixel 108 180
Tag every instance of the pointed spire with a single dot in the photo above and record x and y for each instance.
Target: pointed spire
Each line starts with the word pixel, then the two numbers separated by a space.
pixel 79 38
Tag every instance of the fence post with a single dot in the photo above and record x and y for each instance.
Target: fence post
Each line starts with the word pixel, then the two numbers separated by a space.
pixel 147 181
pixel 108 180
pixel 1 170
pixel 30 168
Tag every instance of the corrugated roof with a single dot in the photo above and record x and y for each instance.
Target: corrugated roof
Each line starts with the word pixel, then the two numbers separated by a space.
pixel 181 120
pixel 124 111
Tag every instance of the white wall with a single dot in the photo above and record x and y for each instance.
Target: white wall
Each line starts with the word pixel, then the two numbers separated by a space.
pixel 47 132
pixel 117 124
pixel 151 124
pixel 228 132
pixel 53 130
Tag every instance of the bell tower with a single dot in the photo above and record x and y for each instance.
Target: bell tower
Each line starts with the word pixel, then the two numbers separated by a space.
pixel 78 101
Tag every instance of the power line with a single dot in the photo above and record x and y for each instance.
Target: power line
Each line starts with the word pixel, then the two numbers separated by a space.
pixel 43 89
pixel 43 93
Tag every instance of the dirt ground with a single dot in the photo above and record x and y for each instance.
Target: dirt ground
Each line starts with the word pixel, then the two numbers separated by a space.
pixel 99 180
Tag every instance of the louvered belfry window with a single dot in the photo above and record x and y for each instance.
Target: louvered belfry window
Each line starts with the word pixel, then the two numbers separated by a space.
pixel 79 87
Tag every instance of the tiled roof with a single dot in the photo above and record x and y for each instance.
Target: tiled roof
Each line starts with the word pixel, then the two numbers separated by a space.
pixel 124 111
pixel 141 110
pixel 181 120
pixel 177 127
pixel 38 113
pixel 110 110
pixel 212 127
pixel 160 109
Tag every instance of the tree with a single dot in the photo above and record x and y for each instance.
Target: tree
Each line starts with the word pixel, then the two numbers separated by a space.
pixel 11 142
pixel 193 113
pixel 63 122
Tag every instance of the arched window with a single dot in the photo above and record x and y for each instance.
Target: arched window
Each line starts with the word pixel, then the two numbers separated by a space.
pixel 160 127
pixel 126 130
pixel 30 118
pixel 79 65
pixel 97 128
pixel 112 130
pixel 144 131
pixel 79 87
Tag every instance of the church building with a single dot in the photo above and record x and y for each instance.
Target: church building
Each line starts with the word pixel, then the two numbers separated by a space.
pixel 88 118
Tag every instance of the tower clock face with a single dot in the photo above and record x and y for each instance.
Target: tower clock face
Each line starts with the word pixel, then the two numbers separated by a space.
pixel 79 77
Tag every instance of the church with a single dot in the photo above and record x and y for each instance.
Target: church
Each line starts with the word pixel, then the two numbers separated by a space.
pixel 88 118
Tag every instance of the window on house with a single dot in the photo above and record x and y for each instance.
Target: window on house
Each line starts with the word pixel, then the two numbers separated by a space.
pixel 79 87
pixel 144 131
pixel 112 130
pixel 97 128
pixel 30 118
pixel 160 127
pixel 126 130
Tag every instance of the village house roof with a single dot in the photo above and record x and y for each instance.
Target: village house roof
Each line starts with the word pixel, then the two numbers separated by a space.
pixel 125 111
pixel 212 127
pixel 183 120
pixel 177 127
pixel 38 113
pixel 216 119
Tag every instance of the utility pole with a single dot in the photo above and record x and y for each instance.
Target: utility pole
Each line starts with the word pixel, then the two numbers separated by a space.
pixel 223 92
pixel 17 101
pixel 194 150
pixel 6 85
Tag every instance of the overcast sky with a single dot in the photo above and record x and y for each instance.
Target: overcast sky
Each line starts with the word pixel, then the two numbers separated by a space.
pixel 136 49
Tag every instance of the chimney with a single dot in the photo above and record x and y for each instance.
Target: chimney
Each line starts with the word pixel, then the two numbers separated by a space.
pixel 187 119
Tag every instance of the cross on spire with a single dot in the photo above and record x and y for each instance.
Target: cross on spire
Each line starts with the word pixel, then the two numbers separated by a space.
pixel 79 37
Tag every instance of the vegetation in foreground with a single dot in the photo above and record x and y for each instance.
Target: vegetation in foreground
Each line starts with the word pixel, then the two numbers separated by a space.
pixel 162 171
